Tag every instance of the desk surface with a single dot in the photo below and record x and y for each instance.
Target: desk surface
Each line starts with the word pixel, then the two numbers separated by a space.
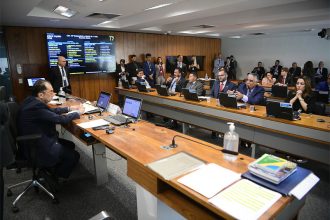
pixel 140 145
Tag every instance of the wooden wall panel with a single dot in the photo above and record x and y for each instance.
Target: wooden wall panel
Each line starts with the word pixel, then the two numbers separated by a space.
pixel 27 46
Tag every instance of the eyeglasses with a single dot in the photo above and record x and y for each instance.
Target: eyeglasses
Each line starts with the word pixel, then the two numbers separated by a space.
pixel 250 80
pixel 221 75
pixel 299 83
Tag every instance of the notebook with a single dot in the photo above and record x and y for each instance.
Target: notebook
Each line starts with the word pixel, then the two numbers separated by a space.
pixel 229 101
pixel 101 104
pixel 131 112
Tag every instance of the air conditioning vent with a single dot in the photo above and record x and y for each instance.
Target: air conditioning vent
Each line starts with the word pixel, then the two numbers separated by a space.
pixel 257 34
pixel 103 16
pixel 204 26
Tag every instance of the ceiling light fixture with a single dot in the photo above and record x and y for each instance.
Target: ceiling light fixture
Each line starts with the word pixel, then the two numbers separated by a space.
pixel 235 37
pixel 158 6
pixel 256 26
pixel 64 11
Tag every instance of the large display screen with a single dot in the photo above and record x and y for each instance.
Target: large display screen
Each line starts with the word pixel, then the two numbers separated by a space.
pixel 84 53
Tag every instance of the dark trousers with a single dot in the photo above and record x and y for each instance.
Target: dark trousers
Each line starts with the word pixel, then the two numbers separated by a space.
pixel 69 157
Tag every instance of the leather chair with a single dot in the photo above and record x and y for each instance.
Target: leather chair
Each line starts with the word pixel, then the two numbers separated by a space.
pixel 2 93
pixel 37 182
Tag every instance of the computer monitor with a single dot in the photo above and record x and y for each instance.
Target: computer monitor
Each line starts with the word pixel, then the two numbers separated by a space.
pixel 103 100
pixel 132 107
pixel 279 91
pixel 32 81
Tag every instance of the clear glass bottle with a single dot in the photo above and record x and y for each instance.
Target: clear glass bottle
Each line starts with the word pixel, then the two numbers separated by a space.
pixel 61 96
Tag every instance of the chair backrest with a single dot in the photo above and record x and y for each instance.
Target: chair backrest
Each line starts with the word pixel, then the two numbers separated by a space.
pixel 2 93
pixel 8 144
pixel 319 108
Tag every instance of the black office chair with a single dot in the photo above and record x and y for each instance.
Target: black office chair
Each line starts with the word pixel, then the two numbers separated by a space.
pixel 29 141
pixel 2 93
pixel 319 108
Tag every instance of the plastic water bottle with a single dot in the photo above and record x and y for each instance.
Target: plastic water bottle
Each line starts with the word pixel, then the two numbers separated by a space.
pixel 230 142
pixel 206 76
pixel 120 84
pixel 61 95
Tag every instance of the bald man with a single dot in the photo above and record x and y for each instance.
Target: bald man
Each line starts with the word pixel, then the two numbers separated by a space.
pixel 59 76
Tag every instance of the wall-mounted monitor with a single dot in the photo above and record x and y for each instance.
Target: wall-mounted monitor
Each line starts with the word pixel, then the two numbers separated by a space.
pixel 171 61
pixel 32 81
pixel 85 53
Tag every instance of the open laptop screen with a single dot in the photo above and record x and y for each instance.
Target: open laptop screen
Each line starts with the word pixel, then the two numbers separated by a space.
pixel 132 107
pixel 32 81
pixel 103 100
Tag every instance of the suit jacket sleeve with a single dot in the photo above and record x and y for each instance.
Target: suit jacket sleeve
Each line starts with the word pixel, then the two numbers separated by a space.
pixel 199 88
pixel 54 116
pixel 258 97
pixel 214 89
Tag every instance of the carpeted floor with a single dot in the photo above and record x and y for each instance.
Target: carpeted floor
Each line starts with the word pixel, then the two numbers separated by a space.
pixel 81 198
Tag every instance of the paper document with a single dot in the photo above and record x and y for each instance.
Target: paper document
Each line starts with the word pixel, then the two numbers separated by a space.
pixel 94 123
pixel 304 186
pixel 175 165
pixel 210 179
pixel 245 200
pixel 89 107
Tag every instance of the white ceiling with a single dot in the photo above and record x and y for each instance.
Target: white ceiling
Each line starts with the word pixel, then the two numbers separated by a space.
pixel 229 17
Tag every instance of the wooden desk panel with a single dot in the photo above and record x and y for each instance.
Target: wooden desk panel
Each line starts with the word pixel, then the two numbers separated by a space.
pixel 140 145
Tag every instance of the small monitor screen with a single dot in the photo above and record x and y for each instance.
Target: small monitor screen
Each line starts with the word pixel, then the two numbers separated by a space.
pixel 132 107
pixel 32 81
pixel 103 100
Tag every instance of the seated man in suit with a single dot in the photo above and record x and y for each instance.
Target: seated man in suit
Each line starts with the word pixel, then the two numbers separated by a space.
pixel 193 85
pixel 222 84
pixel 285 79
pixel 259 70
pixel 250 91
pixel 59 76
pixel 176 83
pixel 320 73
pixel 141 78
pixel 35 116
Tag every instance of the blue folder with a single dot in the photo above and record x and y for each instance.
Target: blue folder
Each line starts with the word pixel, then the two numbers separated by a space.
pixel 285 186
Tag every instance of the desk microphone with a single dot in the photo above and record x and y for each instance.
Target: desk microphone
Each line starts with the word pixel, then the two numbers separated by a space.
pixel 174 145
pixel 101 111
pixel 126 125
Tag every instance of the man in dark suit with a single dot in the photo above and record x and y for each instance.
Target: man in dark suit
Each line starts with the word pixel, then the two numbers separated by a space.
pixel 250 92
pixel 133 67
pixel 180 64
pixel 35 116
pixel 276 69
pixel 121 70
pixel 176 83
pixel 321 73
pixel 194 85
pixel 222 84
pixel 149 70
pixel 259 70
pixel 295 70
pixel 59 76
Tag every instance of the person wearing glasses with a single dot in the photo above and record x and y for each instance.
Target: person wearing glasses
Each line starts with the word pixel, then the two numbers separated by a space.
pixel 222 84
pixel 35 117
pixel 302 97
pixel 250 92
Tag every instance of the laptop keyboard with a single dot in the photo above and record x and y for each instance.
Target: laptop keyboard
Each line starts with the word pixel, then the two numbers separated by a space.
pixel 117 119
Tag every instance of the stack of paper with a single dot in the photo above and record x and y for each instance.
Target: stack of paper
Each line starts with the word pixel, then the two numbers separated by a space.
pixel 245 200
pixel 94 123
pixel 210 179
pixel 175 165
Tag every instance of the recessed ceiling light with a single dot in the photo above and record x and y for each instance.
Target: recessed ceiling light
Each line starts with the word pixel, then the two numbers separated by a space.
pixel 256 26
pixel 158 6
pixel 235 37
pixel 66 12
pixel 151 29
pixel 214 35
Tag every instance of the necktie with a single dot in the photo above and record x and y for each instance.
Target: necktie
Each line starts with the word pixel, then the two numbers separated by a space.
pixel 65 81
pixel 221 86
pixel 248 92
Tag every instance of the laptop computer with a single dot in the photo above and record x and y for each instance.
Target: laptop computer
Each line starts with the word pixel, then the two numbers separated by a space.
pixel 32 81
pixel 163 91
pixel 101 104
pixel 230 101
pixel 279 91
pixel 190 95
pixel 143 88
pixel 125 84
pixel 131 112
pixel 281 110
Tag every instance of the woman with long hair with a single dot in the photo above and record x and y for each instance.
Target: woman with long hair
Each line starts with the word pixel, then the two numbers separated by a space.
pixel 302 97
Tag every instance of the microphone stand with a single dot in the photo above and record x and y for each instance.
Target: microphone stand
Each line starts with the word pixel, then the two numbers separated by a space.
pixel 174 145
pixel 101 111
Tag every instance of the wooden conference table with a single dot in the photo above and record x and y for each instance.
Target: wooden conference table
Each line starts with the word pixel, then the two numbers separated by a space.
pixel 306 138
pixel 140 144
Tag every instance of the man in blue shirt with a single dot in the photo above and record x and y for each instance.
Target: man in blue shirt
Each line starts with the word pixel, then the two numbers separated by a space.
pixel 149 70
